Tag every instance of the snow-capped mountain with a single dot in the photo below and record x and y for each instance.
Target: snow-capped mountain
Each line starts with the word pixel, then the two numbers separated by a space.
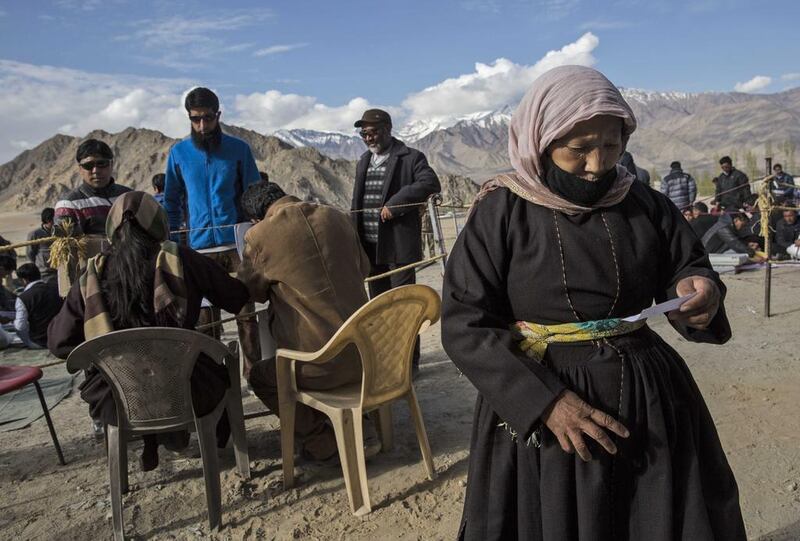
pixel 333 144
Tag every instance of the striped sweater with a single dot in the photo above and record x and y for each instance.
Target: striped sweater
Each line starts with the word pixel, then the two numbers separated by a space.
pixel 88 207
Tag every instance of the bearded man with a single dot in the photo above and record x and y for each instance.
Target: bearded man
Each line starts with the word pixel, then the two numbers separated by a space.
pixel 207 173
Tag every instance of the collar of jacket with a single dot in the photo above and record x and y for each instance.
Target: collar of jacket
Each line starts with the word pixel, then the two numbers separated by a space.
pixel 279 204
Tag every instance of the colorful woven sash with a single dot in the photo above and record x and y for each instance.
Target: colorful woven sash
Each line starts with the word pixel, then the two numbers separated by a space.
pixel 534 337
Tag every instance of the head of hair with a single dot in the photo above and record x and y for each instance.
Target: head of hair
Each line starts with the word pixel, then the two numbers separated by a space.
pixel 739 216
pixel 7 263
pixel 158 182
pixel 702 207
pixel 675 165
pixel 93 147
pixel 777 166
pixel 48 215
pixel 128 280
pixel 257 199
pixel 201 98
pixel 264 176
pixel 29 272
pixel 725 159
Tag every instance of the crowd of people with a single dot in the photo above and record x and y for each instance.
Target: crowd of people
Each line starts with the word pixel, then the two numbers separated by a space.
pixel 574 404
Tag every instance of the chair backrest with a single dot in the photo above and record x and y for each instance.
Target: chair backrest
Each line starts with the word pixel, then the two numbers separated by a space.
pixel 149 371
pixel 384 330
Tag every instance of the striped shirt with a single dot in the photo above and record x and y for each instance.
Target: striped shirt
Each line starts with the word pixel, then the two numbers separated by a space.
pixel 373 194
pixel 87 207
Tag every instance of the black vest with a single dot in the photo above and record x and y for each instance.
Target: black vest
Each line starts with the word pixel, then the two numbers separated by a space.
pixel 43 303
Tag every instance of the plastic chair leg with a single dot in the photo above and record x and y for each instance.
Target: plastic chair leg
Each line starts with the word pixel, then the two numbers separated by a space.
pixel 49 423
pixel 238 433
pixel 422 435
pixel 206 432
pixel 287 409
pixel 348 426
pixel 114 470
pixel 384 424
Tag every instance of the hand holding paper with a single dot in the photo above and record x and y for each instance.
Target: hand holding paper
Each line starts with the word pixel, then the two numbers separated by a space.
pixel 698 311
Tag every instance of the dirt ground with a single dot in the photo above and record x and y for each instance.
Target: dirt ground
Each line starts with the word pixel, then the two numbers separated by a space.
pixel 750 385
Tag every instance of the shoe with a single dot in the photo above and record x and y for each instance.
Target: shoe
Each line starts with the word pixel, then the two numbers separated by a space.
pixel 98 430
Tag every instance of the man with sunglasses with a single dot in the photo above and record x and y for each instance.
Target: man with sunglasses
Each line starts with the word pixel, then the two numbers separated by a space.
pixel 87 206
pixel 207 173
pixel 390 179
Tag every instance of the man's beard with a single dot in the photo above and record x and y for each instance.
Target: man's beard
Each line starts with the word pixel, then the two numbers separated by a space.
pixel 207 142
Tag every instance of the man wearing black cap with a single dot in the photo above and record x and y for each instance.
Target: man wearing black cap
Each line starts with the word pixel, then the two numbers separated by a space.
pixel 390 178
pixel 207 173
pixel 679 186
pixel 733 186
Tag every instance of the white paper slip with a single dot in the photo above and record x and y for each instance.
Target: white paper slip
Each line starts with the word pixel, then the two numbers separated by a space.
pixel 662 308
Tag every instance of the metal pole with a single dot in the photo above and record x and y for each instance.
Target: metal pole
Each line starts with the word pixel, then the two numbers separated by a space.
pixel 433 210
pixel 767 241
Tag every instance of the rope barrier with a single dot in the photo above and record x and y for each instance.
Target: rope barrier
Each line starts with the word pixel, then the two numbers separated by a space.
pixel 404 268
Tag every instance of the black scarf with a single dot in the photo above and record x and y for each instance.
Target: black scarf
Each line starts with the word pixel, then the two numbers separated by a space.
pixel 576 189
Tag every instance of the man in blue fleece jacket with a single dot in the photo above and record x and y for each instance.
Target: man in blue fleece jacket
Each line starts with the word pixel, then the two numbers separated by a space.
pixel 207 173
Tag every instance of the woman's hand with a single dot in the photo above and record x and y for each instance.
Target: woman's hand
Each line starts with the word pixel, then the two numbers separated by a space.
pixel 569 418
pixel 698 311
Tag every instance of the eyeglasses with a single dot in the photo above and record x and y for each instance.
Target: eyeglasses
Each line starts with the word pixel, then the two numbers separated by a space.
pixel 208 117
pixel 100 164
pixel 369 133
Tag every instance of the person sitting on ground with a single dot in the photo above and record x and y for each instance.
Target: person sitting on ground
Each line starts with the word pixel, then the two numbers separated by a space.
pixel 39 254
pixel 145 280
pixel 723 237
pixel 688 213
pixel 307 261
pixel 782 185
pixel 87 206
pixel 158 187
pixel 35 307
pixel 787 236
pixel 703 220
pixel 7 298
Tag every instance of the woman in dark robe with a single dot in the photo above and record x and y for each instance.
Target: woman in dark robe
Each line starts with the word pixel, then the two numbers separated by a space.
pixel 586 427
pixel 145 280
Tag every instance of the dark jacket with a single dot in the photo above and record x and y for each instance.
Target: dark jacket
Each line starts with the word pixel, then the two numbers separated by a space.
pixel 733 196
pixel 680 187
pixel 786 234
pixel 721 237
pixel 42 303
pixel 409 180
pixel 39 254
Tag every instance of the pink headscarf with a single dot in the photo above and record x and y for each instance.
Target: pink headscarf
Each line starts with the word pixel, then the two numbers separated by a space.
pixel 558 100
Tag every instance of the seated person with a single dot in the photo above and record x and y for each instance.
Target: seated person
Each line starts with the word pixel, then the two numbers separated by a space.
pixel 8 300
pixel 723 236
pixel 39 254
pixel 126 276
pixel 87 205
pixel 158 187
pixel 36 306
pixel 787 236
pixel 703 220
pixel 307 261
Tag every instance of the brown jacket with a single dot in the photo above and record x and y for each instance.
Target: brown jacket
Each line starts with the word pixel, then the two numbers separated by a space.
pixel 305 259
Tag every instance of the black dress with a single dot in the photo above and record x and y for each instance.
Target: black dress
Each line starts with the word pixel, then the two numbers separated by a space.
pixel 519 261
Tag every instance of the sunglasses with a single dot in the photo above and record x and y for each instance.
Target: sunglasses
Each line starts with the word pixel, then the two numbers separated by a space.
pixel 371 133
pixel 208 117
pixel 100 164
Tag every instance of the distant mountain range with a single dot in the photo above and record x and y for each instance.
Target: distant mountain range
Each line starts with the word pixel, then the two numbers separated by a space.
pixel 40 176
pixel 695 129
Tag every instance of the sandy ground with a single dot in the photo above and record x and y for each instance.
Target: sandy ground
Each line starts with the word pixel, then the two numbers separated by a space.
pixel 750 385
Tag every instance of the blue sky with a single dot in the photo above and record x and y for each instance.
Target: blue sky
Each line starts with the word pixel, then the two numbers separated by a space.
pixel 75 65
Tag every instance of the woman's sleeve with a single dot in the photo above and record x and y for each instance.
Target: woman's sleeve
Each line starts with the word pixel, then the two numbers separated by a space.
pixel 214 282
pixel 476 319
pixel 683 255
pixel 65 331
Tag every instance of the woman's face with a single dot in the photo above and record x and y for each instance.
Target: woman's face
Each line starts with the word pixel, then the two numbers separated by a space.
pixel 590 149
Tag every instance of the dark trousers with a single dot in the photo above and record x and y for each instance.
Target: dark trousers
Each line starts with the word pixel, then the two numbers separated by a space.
pixel 377 287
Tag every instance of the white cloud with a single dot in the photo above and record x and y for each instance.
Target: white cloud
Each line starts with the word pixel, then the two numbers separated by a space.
pixel 491 86
pixel 790 76
pixel 759 82
pixel 276 49
pixel 36 102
